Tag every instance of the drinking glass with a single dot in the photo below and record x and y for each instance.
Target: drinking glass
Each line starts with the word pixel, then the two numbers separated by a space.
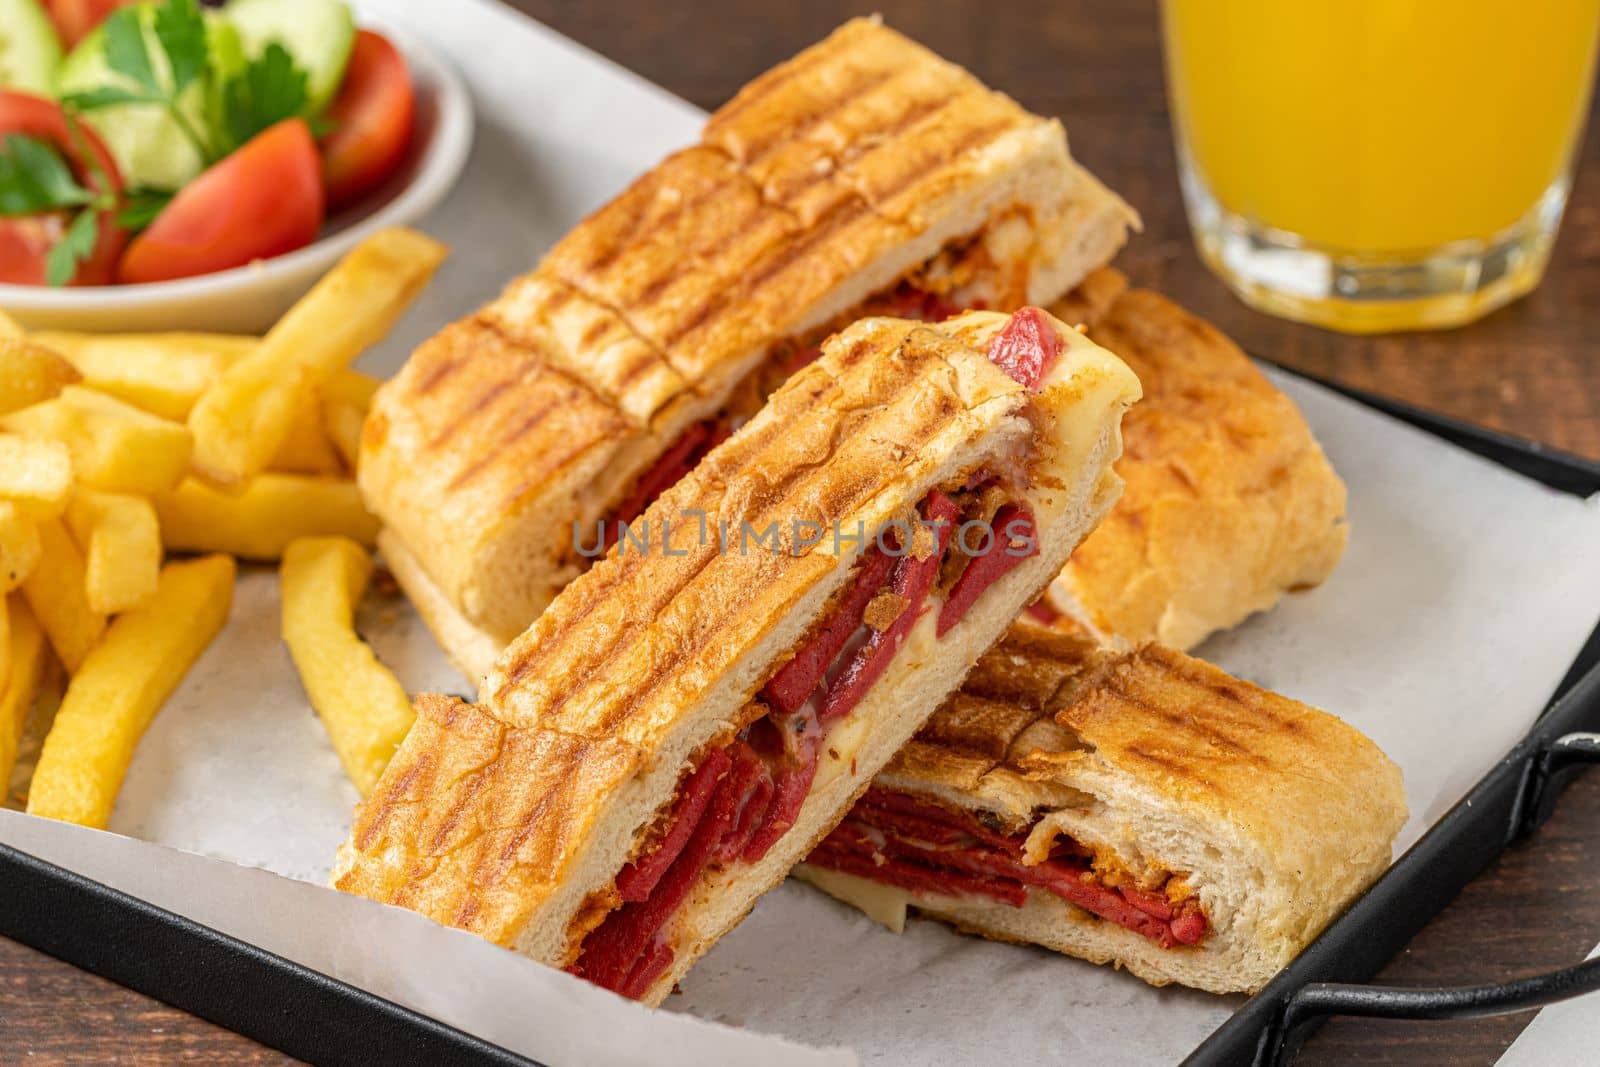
pixel 1378 164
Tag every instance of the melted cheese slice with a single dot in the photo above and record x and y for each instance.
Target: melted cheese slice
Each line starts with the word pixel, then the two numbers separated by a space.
pixel 885 904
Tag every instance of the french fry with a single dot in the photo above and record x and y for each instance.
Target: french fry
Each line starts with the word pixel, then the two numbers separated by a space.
pixel 162 373
pixel 121 543
pixel 19 546
pixel 59 597
pixel 240 422
pixel 345 398
pixel 114 445
pixel 35 475
pixel 30 374
pixel 259 523
pixel 28 656
pixel 307 449
pixel 119 687
pixel 5 667
pixel 9 327
pixel 361 703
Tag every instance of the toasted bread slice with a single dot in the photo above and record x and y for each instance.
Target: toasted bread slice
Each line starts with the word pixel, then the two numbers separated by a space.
pixel 864 163
pixel 513 818
pixel 1230 502
pixel 1167 776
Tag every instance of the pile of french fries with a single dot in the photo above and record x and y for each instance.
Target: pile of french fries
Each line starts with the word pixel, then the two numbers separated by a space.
pixel 135 469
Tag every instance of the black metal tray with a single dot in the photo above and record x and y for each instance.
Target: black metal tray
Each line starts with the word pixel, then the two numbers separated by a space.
pixel 319 1019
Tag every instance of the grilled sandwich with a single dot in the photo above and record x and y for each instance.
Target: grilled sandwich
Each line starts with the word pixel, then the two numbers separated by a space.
pixel 866 176
pixel 1140 808
pixel 702 706
pixel 1230 502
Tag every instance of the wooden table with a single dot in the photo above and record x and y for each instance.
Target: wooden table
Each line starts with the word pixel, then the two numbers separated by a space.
pixel 1532 369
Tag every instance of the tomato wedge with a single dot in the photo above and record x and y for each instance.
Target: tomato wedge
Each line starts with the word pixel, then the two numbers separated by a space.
pixel 262 201
pixel 372 119
pixel 26 242
pixel 76 18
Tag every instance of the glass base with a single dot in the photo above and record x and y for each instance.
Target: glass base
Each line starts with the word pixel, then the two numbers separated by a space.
pixel 1284 275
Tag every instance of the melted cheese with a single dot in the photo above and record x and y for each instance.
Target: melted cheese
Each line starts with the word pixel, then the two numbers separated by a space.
pixel 881 903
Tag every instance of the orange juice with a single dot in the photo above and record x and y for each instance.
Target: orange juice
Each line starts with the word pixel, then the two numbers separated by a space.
pixel 1381 126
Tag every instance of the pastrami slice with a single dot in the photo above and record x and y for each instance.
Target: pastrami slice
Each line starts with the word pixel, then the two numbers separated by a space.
pixel 905 841
pixel 912 580
pixel 1012 540
pixel 1026 348
pixel 797 680
pixel 638 879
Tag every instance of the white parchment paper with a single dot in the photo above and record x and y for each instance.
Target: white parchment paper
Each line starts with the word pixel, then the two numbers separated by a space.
pixel 1561 1035
pixel 1465 594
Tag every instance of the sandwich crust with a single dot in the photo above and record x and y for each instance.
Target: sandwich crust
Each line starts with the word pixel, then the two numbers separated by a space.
pixel 1230 502
pixel 823 182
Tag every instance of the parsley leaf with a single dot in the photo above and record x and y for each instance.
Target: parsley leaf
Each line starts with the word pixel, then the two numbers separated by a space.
pixel 268 90
pixel 75 246
pixel 126 52
pixel 181 32
pixel 182 56
pixel 35 178
pixel 140 208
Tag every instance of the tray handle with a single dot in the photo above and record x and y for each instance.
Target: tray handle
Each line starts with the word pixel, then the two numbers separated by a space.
pixel 1317 1001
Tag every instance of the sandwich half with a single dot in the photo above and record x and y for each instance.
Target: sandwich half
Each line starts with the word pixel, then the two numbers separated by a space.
pixel 866 176
pixel 698 709
pixel 1230 502
pixel 1139 808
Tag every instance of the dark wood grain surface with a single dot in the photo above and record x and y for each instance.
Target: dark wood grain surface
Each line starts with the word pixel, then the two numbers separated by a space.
pixel 1532 369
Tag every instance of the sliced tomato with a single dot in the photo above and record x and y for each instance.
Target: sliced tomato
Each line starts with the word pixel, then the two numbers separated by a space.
pixel 76 18
pixel 372 118
pixel 262 201
pixel 25 243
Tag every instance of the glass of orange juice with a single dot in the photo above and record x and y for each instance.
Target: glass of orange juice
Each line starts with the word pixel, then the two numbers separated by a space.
pixel 1378 164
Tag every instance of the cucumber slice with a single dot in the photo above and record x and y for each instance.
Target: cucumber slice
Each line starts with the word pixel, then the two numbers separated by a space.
pixel 148 144
pixel 227 51
pixel 30 51
pixel 317 34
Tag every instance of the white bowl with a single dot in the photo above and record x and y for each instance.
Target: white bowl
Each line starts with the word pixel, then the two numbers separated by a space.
pixel 251 298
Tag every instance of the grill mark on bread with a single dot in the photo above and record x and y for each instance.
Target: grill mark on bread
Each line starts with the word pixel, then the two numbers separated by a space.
pixel 767 84
pixel 798 481
pixel 594 331
pixel 1189 715
pixel 1227 690
pixel 974 139
pixel 797 184
pixel 515 360
pixel 610 314
pixel 1177 768
pixel 672 269
pixel 756 150
pixel 685 205
pixel 374 817
pixel 569 286
pixel 1184 724
pixel 775 263
pixel 556 459
pixel 705 488
pixel 470 411
pixel 485 456
pixel 685 651
pixel 839 217
pixel 437 373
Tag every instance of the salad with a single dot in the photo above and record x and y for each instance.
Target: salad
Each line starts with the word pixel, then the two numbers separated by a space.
pixel 143 142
